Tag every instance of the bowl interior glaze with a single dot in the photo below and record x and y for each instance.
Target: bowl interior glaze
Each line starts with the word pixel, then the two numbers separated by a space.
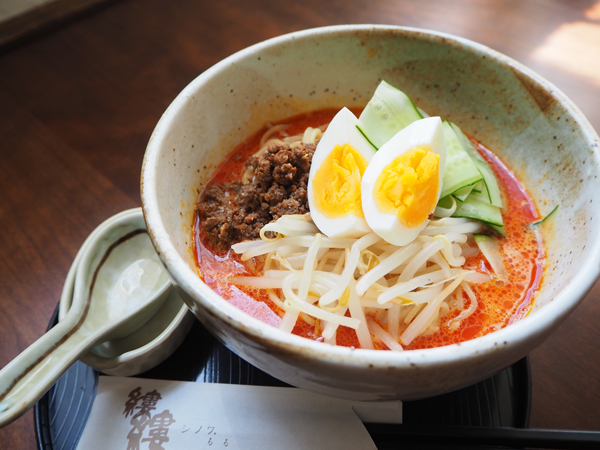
pixel 527 121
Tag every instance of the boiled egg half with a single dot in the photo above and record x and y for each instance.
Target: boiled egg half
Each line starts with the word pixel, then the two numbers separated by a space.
pixel 403 181
pixel 334 185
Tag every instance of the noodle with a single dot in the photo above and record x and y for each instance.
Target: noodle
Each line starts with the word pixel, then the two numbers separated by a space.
pixel 385 295
pixel 430 272
pixel 357 280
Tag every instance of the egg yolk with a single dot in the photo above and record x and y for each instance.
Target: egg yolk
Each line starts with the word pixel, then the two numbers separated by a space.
pixel 337 183
pixel 409 186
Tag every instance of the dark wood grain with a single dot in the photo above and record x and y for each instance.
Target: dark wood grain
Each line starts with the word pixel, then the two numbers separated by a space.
pixel 34 17
pixel 78 105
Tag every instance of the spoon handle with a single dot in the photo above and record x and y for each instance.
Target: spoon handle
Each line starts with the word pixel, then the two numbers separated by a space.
pixel 27 377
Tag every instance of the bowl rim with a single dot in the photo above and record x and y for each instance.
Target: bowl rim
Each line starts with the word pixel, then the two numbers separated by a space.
pixel 517 333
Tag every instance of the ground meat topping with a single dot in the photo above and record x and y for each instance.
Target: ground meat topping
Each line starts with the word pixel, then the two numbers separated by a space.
pixel 234 212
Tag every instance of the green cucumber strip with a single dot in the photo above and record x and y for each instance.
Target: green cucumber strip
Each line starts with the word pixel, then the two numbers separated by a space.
pixel 460 169
pixel 476 209
pixel 445 202
pixel 490 183
pixel 543 219
pixel 497 229
pixel 488 175
pixel 480 192
pixel 490 249
pixel 463 193
pixel 367 137
pixel 389 111
pixel 481 187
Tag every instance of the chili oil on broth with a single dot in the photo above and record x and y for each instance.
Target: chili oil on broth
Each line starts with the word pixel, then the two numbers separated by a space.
pixel 215 269
pixel 499 302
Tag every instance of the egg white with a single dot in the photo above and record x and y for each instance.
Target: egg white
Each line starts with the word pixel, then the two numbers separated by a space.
pixel 422 133
pixel 342 130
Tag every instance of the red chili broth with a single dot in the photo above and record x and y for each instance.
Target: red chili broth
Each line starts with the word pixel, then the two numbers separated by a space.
pixel 498 303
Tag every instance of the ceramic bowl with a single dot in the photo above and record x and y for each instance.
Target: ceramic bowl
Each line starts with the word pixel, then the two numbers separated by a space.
pixel 534 127
pixel 143 348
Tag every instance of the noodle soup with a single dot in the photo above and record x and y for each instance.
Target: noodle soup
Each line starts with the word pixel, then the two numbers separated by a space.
pixel 257 245
pixel 516 113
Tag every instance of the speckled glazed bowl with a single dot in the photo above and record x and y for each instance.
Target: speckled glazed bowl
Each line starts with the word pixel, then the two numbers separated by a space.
pixel 539 132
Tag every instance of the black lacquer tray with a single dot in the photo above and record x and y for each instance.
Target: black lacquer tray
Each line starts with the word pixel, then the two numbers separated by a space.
pixel 503 400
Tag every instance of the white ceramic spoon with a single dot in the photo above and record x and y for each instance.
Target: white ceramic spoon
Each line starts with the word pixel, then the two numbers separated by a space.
pixel 119 286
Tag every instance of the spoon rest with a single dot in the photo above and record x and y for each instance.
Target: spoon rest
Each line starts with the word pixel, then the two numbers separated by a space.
pixel 119 284
pixel 144 348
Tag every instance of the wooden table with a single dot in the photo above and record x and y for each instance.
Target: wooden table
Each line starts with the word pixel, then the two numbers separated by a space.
pixel 78 104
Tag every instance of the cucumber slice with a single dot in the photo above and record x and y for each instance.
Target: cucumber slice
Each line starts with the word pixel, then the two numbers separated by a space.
pixel 389 111
pixel 480 192
pixel 478 210
pixel 463 193
pixel 499 230
pixel 460 169
pixel 445 202
pixel 543 219
pixel 483 166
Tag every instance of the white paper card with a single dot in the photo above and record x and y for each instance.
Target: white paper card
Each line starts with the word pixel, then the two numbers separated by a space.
pixel 144 414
